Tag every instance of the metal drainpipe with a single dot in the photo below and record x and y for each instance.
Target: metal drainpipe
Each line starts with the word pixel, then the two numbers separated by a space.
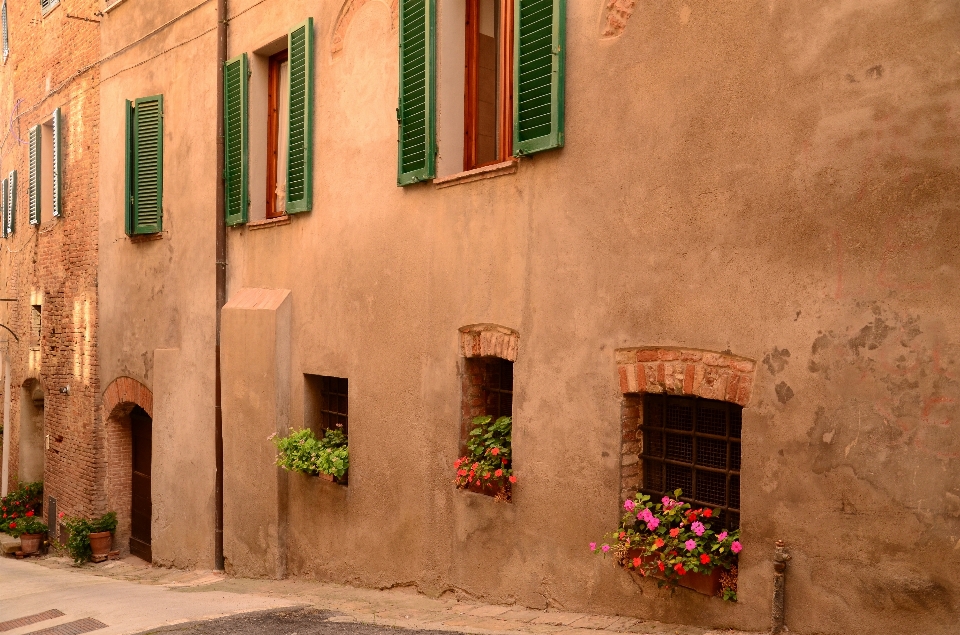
pixel 780 559
pixel 221 275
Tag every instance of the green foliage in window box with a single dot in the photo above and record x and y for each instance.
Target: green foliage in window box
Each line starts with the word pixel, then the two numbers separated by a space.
pixel 23 502
pixel 80 529
pixel 301 451
pixel 488 460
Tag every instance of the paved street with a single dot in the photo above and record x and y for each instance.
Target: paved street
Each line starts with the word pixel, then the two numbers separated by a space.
pixel 128 596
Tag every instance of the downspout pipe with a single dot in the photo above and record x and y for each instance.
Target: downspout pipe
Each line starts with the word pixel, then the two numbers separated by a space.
pixel 221 281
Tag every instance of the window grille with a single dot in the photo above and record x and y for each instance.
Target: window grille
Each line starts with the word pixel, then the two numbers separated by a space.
pixel 694 445
pixel 46 5
pixel 498 384
pixel 333 403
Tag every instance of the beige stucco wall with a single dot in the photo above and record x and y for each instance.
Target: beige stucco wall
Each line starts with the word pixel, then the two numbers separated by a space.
pixel 776 179
pixel 159 294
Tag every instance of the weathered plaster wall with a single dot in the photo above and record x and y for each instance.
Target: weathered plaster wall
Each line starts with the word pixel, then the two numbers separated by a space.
pixel 774 179
pixel 159 294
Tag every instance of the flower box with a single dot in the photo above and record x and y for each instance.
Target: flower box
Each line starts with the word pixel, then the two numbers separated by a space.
pixel 497 489
pixel 705 583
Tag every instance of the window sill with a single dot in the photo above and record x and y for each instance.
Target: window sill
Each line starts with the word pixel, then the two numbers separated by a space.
pixel 269 222
pixel 486 172
pixel 146 238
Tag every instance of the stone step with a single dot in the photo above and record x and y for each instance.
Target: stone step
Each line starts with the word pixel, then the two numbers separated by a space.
pixel 9 544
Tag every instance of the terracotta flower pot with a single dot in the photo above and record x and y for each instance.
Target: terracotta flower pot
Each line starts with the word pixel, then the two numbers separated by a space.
pixel 497 489
pixel 706 583
pixel 101 543
pixel 30 543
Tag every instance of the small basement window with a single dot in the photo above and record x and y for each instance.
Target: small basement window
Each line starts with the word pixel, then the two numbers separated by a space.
pixel 326 401
pixel 693 444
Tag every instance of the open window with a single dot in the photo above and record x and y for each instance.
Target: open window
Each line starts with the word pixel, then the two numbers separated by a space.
pixel 497 66
pixel 269 129
pixel 46 167
pixel 488 86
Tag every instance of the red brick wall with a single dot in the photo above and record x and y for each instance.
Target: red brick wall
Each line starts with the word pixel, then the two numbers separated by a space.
pixel 52 64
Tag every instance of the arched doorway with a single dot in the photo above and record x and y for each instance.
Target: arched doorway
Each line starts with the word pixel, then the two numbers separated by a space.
pixel 141 502
pixel 128 411
pixel 31 432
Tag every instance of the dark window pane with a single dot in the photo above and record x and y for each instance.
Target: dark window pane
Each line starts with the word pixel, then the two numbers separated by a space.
pixel 679 478
pixel 653 443
pixel 679 448
pixel 679 415
pixel 735 492
pixel 712 421
pixel 653 476
pixel 735 456
pixel 711 487
pixel 736 422
pixel 712 453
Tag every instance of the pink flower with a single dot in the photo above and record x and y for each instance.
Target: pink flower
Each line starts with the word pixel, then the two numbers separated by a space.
pixel 690 544
pixel 629 505
pixel 605 548
pixel 593 546
pixel 653 523
pixel 666 501
pixel 645 515
pixel 722 536
pixel 736 547
pixel 698 528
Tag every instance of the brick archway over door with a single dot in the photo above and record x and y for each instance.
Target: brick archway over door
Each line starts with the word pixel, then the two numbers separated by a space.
pixel 119 399
pixel 673 371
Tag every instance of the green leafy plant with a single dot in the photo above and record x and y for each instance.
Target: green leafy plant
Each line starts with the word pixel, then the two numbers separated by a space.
pixel 301 451
pixel 670 539
pixel 30 523
pixel 80 529
pixel 26 500
pixel 488 463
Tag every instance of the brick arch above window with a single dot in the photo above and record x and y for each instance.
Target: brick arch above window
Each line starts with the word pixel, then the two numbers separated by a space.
pixel 686 371
pixel 123 394
pixel 489 340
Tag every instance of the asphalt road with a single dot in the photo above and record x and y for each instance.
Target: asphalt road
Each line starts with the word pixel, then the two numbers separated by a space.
pixel 289 621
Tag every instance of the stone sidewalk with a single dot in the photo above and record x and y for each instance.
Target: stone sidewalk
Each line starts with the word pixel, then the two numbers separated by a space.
pixel 403 608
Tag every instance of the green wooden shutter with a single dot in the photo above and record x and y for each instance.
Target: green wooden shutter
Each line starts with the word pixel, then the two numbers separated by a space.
pixel 11 219
pixel 538 75
pixel 128 169
pixel 300 139
pixel 34 186
pixel 148 165
pixel 235 139
pixel 57 163
pixel 416 135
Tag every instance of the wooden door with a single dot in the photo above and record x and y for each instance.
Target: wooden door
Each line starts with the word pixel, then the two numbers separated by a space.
pixel 142 504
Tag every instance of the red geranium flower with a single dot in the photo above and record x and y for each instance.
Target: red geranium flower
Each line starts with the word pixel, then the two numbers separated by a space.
pixel 707 513
pixel 704 558
pixel 498 473
pixel 495 451
pixel 658 543
pixel 513 479
pixel 636 563
pixel 13 525
pixel 674 532
pixel 29 513
pixel 660 564
pixel 679 568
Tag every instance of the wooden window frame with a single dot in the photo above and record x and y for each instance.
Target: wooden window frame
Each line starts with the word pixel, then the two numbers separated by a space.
pixel 273 130
pixel 504 88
